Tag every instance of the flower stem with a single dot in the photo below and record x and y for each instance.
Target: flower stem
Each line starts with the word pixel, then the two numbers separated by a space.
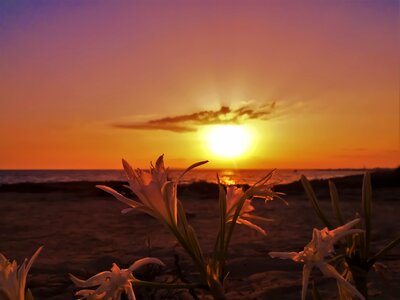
pixel 360 278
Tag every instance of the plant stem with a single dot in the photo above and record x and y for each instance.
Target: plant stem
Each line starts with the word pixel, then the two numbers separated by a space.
pixel 360 278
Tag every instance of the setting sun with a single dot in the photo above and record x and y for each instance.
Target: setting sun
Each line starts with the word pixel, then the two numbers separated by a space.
pixel 229 140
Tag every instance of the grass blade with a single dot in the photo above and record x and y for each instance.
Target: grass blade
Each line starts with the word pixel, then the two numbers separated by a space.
pixel 385 250
pixel 335 202
pixel 188 240
pixel 194 242
pixel 195 165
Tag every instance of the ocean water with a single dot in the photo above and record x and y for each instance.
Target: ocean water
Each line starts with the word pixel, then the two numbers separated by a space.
pixel 226 176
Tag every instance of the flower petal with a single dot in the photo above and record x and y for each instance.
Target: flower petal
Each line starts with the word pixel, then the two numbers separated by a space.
pixel 33 258
pixel 170 200
pixel 160 163
pixel 92 296
pixel 120 197
pixel 116 296
pixel 144 261
pixel 258 218
pixel 341 235
pixel 251 225
pixel 3 258
pixel 341 231
pixel 127 210
pixel 306 277
pixel 130 293
pixel 138 192
pixel 115 269
pixel 247 207
pixel 345 227
pixel 159 173
pixel 24 269
pixel 284 255
pixel 92 281
pixel 233 195
pixel 130 173
pixel 330 271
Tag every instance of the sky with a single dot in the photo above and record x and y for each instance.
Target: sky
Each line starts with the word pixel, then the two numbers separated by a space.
pixel 86 83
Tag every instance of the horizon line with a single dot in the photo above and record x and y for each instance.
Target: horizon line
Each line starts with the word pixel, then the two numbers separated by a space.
pixel 211 169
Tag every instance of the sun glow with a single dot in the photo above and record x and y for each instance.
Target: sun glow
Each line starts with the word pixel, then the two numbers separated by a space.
pixel 229 141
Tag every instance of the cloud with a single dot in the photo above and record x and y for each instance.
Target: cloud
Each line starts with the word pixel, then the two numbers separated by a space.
pixel 190 122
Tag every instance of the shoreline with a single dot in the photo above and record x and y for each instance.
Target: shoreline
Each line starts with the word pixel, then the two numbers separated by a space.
pixel 380 179
pixel 239 176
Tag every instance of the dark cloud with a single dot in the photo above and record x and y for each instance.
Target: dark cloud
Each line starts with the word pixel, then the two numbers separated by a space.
pixel 190 122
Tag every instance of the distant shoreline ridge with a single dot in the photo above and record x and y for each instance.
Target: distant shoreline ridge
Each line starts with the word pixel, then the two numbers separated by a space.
pixel 240 176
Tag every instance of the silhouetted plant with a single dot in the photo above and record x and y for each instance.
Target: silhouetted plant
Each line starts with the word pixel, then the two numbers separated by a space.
pixel 158 198
pixel 354 255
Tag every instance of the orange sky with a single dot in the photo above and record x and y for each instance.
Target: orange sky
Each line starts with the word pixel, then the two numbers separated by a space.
pixel 70 71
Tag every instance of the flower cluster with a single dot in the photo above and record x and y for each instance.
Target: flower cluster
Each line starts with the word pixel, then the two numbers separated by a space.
pixel 111 284
pixel 157 197
pixel 233 196
pixel 156 192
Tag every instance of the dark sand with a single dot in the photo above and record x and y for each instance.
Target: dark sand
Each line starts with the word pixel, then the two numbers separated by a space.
pixel 84 232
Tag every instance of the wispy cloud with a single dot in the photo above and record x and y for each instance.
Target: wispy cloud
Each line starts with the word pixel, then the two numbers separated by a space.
pixel 190 122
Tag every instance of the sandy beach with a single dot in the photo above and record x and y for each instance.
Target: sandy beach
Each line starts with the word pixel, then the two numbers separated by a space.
pixel 83 232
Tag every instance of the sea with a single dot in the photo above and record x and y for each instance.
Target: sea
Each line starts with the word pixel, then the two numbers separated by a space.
pixel 281 176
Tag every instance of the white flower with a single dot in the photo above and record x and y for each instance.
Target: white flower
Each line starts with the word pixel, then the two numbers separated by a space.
pixel 315 252
pixel 263 189
pixel 156 193
pixel 233 196
pixel 111 284
pixel 13 279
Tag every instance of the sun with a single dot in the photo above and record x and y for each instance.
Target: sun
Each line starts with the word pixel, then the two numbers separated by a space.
pixel 229 141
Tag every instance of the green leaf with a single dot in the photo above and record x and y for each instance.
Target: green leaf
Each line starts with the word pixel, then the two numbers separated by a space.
pixel 336 260
pixel 219 254
pixel 222 211
pixel 195 165
pixel 264 179
pixel 385 250
pixel 189 239
pixel 366 206
pixel 182 217
pixel 335 202
pixel 194 242
pixel 185 237
pixel 314 201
